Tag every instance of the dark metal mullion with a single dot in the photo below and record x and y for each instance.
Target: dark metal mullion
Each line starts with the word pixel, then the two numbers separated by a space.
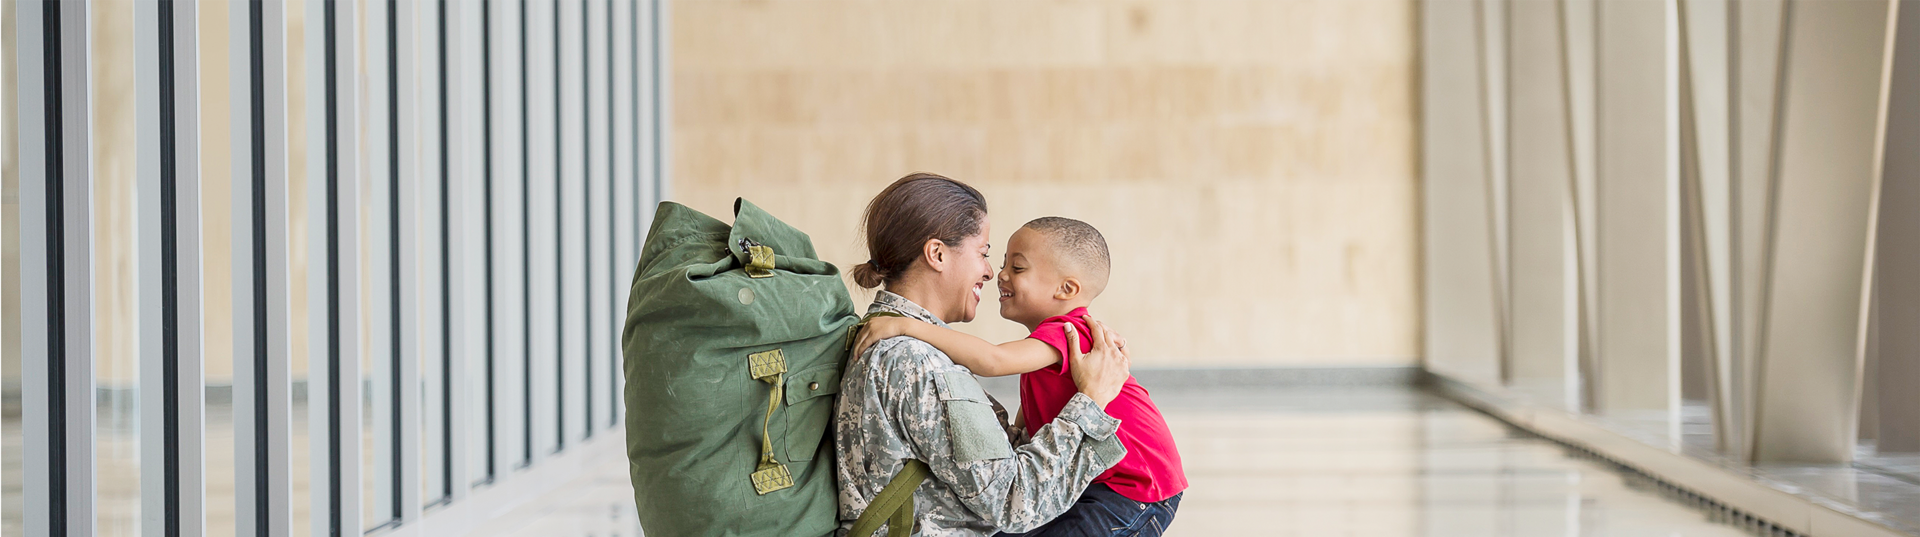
pixel 486 178
pixel 169 278
pixel 613 262
pixel 659 157
pixel 52 79
pixel 257 103
pixel 633 76
pixel 586 213
pixel 446 263
pixel 393 246
pixel 559 245
pixel 526 253
pixel 330 70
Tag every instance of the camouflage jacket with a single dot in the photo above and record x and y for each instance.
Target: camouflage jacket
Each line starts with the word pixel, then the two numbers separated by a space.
pixel 903 399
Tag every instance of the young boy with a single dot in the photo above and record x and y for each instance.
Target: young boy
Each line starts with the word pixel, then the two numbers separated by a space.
pixel 1054 268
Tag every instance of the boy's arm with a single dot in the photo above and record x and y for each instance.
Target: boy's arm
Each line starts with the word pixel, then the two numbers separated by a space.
pixel 984 358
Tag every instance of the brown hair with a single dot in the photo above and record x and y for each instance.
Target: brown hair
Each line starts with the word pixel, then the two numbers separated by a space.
pixel 909 212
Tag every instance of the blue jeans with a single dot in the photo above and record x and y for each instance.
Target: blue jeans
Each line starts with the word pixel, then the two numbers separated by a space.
pixel 1103 512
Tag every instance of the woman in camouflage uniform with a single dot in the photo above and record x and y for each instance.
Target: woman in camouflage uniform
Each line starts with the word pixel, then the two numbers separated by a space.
pixel 905 400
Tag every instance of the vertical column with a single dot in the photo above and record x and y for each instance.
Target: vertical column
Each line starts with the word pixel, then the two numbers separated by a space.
pixel 261 307
pixel 1712 99
pixel 1638 195
pixel 619 213
pixel 1461 318
pixel 171 406
pixel 382 309
pixel 533 325
pixel 571 168
pixel 56 265
pixel 392 430
pixel 541 113
pixel 333 305
pixel 640 49
pixel 1897 282
pixel 404 165
pixel 467 299
pixel 507 240
pixel 1544 253
pixel 1490 29
pixel 1756 56
pixel 593 111
pixel 435 315
pixel 509 254
pixel 1833 103
pixel 662 101
pixel 1578 70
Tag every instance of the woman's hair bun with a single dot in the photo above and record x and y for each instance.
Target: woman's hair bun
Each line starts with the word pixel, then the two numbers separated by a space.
pixel 868 276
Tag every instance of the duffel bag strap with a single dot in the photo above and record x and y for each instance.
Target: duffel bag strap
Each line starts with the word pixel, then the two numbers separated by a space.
pixel 894 504
pixel 769 367
pixel 853 332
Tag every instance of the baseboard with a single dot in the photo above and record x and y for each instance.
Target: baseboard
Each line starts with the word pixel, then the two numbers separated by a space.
pixel 1725 491
pixel 1279 377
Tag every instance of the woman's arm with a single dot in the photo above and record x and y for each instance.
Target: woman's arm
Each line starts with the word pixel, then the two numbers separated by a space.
pixel 984 358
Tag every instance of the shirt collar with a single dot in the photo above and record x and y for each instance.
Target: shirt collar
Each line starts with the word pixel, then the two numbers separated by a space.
pixel 888 301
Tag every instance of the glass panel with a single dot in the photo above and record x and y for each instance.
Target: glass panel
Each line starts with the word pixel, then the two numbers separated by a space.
pixel 11 486
pixel 509 250
pixel 216 239
pixel 299 452
pixel 478 409
pixel 432 277
pixel 117 332
pixel 575 314
pixel 379 412
pixel 542 222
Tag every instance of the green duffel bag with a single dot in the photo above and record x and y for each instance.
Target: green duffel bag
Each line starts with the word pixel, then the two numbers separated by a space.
pixel 734 343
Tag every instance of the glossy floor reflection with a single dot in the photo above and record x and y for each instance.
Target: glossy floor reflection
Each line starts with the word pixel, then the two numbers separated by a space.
pixel 1310 462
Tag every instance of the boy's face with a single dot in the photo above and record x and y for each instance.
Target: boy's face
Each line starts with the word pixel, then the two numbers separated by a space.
pixel 1030 280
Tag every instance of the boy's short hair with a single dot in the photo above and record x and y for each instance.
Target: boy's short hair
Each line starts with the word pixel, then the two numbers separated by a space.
pixel 1080 245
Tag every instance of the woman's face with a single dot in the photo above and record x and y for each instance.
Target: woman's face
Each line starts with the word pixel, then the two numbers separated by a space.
pixel 966 275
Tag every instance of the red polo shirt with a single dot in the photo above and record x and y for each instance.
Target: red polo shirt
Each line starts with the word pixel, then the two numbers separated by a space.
pixel 1151 470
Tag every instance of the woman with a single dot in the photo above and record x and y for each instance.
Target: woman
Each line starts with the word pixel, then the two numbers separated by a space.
pixel 905 400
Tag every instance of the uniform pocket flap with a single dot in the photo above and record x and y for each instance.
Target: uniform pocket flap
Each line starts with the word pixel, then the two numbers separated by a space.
pixel 960 386
pixel 807 385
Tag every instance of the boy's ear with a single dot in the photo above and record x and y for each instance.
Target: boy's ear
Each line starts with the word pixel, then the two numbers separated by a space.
pixel 1069 289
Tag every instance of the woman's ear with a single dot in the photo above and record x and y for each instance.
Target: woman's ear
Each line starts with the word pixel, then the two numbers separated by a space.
pixel 934 251
pixel 1069 289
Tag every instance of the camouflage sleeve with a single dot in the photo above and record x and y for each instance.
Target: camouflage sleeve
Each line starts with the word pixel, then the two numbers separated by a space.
pixel 950 423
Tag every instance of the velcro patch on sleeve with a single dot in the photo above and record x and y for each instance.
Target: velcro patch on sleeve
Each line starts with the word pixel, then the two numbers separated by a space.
pixel 975 431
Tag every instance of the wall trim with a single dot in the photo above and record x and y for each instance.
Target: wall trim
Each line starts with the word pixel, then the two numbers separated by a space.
pixel 1724 489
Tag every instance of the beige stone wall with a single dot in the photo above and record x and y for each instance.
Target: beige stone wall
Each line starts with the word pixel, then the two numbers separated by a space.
pixel 1251 162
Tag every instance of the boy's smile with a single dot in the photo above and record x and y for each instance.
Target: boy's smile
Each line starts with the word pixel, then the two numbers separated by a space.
pixel 1029 281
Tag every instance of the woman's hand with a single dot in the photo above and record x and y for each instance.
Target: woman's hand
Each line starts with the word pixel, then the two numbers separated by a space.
pixel 879 328
pixel 1100 373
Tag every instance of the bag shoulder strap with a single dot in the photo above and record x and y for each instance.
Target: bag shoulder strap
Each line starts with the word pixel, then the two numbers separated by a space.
pixel 894 504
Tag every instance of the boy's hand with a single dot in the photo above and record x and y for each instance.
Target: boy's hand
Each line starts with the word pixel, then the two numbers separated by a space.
pixel 879 328
pixel 1100 373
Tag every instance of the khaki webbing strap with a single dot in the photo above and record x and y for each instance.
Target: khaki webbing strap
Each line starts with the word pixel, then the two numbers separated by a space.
pixel 760 261
pixel 769 367
pixel 894 504
pixel 853 332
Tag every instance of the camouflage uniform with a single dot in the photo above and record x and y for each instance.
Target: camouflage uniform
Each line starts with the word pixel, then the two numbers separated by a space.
pixel 903 399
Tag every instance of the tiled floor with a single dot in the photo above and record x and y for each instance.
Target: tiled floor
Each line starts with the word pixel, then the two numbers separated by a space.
pixel 1323 462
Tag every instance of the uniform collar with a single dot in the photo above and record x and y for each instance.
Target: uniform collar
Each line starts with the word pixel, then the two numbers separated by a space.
pixel 888 301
